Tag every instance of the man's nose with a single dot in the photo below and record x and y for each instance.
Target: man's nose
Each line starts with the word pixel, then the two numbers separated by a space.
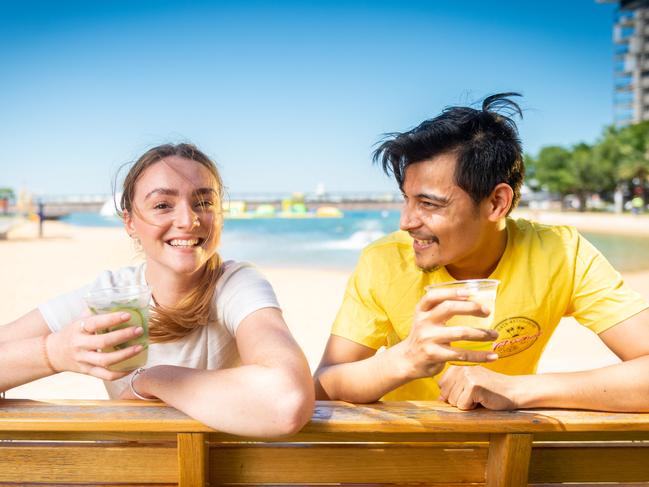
pixel 409 219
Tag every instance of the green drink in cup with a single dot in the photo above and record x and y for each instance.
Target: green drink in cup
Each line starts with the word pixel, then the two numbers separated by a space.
pixel 481 291
pixel 133 300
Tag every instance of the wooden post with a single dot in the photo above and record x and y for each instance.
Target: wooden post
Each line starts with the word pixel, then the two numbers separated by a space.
pixel 509 459
pixel 192 460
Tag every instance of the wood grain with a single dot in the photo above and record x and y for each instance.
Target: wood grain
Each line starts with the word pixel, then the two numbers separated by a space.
pixel 427 443
pixel 192 460
pixel 509 458
pixel 329 417
pixel 590 463
pixel 87 463
pixel 393 464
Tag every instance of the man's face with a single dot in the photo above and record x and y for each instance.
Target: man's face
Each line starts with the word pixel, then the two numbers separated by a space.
pixel 447 226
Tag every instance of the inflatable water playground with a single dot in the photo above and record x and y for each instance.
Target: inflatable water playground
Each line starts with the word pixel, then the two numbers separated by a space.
pixel 289 209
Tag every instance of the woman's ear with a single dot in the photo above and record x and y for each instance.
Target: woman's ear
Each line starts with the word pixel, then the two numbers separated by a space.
pixel 499 202
pixel 128 224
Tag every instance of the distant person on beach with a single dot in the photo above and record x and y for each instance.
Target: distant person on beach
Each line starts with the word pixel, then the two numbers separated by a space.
pixel 220 350
pixel 40 214
pixel 637 204
pixel 461 174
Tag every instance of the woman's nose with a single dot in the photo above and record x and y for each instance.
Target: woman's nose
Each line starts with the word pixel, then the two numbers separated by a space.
pixel 186 218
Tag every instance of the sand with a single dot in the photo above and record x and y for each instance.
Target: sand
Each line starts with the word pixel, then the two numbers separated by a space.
pixel 33 270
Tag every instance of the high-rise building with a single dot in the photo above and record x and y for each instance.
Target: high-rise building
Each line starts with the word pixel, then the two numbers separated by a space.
pixel 631 61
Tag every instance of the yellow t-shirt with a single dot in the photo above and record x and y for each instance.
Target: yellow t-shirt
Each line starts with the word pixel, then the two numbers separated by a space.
pixel 546 273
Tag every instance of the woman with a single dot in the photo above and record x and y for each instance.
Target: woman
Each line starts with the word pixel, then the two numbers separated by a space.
pixel 220 350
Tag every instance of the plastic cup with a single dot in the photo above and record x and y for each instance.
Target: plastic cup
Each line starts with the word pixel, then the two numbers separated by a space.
pixel 133 300
pixel 481 291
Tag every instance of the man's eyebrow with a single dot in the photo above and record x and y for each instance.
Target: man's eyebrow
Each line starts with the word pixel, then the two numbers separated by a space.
pixel 432 197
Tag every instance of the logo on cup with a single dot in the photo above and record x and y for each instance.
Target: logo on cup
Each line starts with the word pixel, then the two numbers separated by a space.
pixel 515 335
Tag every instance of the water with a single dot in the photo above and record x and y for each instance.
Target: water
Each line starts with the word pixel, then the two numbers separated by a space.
pixel 335 243
pixel 626 253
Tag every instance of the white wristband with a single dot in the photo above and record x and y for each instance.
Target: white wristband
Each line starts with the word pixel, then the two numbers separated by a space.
pixel 135 393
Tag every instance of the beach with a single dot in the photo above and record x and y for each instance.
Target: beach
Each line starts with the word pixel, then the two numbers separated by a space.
pixel 35 269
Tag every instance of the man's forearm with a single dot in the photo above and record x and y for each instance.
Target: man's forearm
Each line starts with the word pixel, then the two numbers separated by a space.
pixel 363 381
pixel 622 387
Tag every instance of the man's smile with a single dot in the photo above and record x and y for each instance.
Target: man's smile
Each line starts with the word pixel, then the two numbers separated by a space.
pixel 420 243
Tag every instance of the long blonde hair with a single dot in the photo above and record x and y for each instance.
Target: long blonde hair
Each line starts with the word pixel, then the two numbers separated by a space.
pixel 193 311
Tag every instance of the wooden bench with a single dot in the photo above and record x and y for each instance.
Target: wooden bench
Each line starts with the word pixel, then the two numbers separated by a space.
pixel 136 443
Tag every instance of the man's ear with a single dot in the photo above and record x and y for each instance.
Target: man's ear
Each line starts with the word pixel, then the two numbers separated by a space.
pixel 499 202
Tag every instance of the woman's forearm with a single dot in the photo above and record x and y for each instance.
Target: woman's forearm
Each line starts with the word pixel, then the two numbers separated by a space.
pixel 250 400
pixel 24 360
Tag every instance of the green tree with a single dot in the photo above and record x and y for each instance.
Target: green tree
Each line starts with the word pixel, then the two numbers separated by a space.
pixel 627 149
pixel 550 169
pixel 575 171
pixel 592 173
pixel 530 172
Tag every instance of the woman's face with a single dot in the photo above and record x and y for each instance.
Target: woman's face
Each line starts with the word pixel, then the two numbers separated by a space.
pixel 176 215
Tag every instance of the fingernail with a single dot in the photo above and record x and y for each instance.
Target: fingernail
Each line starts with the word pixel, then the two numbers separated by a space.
pixel 463 292
pixel 125 316
pixel 139 330
pixel 492 356
pixel 138 348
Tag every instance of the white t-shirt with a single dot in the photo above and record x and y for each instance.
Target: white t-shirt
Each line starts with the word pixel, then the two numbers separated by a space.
pixel 240 291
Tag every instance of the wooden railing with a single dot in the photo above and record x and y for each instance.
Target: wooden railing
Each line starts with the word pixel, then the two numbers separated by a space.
pixel 130 443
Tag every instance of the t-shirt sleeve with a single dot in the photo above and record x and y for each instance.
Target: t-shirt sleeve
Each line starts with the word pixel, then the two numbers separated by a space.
pixel 601 298
pixel 361 318
pixel 64 309
pixel 244 291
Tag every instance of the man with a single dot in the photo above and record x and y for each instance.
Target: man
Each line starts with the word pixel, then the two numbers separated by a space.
pixel 460 174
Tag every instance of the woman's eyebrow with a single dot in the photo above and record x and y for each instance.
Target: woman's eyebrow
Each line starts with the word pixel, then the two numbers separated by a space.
pixel 205 191
pixel 175 192
pixel 162 191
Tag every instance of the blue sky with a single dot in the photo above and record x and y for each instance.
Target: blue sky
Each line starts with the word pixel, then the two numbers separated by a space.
pixel 284 95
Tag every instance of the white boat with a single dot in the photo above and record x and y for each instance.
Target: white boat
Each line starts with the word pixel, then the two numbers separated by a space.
pixel 109 208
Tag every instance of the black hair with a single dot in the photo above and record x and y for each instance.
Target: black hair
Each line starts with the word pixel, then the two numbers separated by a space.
pixel 485 141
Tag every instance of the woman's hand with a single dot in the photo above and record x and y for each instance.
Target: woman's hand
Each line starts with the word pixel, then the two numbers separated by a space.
pixel 76 348
pixel 136 386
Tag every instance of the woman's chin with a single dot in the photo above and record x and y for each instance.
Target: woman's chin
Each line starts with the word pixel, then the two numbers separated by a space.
pixel 186 266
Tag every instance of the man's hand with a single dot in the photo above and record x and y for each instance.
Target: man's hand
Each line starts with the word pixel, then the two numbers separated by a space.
pixel 428 346
pixel 467 387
